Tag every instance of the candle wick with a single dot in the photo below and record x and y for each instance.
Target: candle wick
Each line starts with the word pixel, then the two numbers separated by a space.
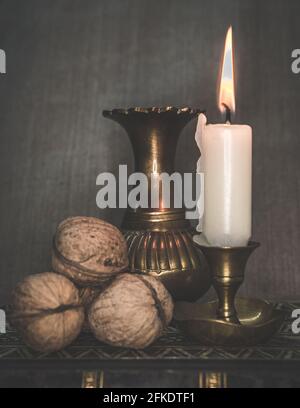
pixel 228 114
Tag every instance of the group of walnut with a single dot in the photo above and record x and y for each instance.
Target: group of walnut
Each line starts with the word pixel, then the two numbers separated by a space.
pixel 90 287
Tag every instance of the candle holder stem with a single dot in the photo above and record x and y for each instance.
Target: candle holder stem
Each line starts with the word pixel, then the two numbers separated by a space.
pixel 226 289
pixel 227 265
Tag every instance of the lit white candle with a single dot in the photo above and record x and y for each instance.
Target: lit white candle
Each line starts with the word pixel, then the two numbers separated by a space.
pixel 226 161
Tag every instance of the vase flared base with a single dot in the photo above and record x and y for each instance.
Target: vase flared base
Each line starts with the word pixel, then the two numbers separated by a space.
pixel 171 256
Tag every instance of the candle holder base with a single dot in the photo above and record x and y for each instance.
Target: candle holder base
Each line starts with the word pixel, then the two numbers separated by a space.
pixel 258 321
pixel 229 321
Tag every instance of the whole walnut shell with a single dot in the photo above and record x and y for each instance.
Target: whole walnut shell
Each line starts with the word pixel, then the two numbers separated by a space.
pixel 47 311
pixel 89 251
pixel 131 312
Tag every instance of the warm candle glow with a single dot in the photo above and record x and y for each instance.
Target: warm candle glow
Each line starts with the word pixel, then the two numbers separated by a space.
pixel 226 91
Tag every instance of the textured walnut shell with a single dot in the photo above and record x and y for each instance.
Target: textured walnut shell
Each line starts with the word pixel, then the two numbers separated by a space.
pixel 131 312
pixel 88 250
pixel 47 311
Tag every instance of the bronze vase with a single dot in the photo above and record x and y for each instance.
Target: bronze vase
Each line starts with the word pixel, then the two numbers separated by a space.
pixel 160 239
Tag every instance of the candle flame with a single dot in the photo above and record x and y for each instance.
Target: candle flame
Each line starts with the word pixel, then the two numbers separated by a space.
pixel 226 91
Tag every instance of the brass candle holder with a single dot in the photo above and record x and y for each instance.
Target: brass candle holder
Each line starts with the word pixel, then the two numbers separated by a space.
pixel 229 321
pixel 227 266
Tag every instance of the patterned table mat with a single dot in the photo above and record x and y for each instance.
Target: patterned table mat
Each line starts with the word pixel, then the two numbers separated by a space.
pixel 173 345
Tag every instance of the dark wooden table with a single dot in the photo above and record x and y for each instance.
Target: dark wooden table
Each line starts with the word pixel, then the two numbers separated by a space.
pixel 188 363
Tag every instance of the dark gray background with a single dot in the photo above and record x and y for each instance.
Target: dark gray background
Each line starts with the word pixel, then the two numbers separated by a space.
pixel 69 59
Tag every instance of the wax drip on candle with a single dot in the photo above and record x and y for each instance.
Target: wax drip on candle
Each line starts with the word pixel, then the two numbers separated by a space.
pixel 202 122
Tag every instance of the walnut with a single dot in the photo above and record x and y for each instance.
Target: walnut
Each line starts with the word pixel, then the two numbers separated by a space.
pixel 131 312
pixel 89 251
pixel 47 311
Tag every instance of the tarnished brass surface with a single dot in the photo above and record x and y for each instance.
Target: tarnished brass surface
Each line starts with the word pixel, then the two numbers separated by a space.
pixel 171 256
pixel 228 321
pixel 92 379
pixel 159 239
pixel 211 379
pixel 227 266
pixel 258 322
